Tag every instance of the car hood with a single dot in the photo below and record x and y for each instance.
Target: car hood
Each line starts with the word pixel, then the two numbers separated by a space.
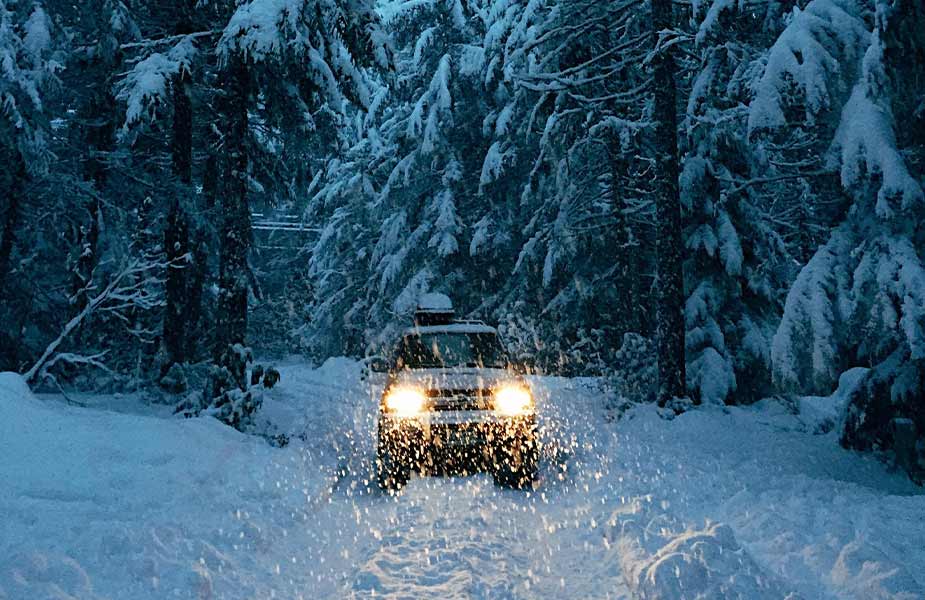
pixel 456 379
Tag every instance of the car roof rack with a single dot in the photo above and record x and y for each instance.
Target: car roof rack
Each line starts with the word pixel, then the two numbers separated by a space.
pixel 468 322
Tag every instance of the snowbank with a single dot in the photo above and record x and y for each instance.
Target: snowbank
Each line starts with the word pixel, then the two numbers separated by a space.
pixel 97 504
pixel 13 388
pixel 662 560
pixel 798 513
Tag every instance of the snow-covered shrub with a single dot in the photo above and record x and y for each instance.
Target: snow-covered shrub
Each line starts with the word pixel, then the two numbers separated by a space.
pixel 875 407
pixel 228 395
pixel 234 406
pixel 267 377
pixel 175 381
pixel 635 369
pixel 231 397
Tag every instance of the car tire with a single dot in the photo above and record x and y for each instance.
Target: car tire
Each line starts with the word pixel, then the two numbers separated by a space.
pixel 392 469
pixel 516 464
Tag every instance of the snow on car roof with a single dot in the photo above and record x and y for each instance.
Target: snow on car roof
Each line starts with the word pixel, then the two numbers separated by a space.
pixel 465 327
pixel 434 302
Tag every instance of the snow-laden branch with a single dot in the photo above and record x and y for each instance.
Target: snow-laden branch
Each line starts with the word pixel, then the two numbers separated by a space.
pixel 742 185
pixel 146 86
pixel 129 288
pixel 171 39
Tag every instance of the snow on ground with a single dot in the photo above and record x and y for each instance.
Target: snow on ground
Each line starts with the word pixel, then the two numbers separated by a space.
pixel 120 501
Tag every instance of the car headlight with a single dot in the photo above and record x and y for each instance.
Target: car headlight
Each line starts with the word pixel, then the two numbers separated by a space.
pixel 513 400
pixel 405 402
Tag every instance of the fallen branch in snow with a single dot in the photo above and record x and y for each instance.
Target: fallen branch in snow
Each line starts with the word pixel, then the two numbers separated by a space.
pixel 64 395
pixel 78 359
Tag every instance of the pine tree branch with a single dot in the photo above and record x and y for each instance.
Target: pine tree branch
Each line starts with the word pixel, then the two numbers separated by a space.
pixel 170 39
pixel 743 185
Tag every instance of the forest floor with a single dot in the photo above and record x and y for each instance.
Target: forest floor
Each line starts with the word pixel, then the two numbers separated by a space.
pixel 119 500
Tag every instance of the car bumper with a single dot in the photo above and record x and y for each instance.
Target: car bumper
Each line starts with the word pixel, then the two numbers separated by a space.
pixel 451 432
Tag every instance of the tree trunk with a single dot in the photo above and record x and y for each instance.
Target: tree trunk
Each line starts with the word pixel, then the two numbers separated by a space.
pixel 176 234
pixel 669 243
pixel 12 312
pixel 17 179
pixel 176 242
pixel 204 239
pixel 235 228
pixel 177 322
pixel 196 281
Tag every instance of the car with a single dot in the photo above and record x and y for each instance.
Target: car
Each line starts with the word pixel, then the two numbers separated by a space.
pixel 453 398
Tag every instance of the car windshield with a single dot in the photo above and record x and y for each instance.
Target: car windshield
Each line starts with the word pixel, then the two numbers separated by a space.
pixel 441 350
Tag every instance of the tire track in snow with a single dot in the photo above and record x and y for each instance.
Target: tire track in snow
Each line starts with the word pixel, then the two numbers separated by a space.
pixel 446 541
pixel 453 537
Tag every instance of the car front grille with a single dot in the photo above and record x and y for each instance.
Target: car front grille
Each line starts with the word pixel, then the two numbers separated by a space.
pixel 459 399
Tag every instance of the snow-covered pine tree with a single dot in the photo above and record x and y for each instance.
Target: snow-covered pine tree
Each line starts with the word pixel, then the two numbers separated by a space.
pixel 339 267
pixel 28 68
pixel 75 231
pixel 160 83
pixel 570 118
pixel 393 204
pixel 860 300
pixel 97 29
pixel 736 208
pixel 297 58
pixel 109 188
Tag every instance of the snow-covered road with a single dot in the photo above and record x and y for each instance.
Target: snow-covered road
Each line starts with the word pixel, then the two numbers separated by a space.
pixel 455 537
pixel 465 538
pixel 120 501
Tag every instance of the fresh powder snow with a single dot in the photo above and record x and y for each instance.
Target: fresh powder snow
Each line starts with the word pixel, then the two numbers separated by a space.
pixel 117 499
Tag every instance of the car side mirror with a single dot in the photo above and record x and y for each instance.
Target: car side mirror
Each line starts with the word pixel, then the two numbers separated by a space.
pixel 378 364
